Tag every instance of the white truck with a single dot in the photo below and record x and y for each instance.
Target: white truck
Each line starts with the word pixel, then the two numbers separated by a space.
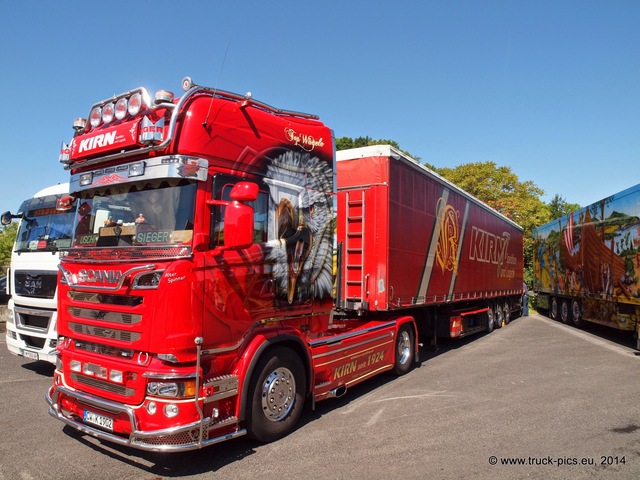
pixel 33 273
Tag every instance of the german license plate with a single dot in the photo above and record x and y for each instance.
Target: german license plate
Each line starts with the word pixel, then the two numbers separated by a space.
pixel 29 354
pixel 99 420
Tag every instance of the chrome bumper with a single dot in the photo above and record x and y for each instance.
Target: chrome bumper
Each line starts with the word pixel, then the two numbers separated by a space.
pixel 176 439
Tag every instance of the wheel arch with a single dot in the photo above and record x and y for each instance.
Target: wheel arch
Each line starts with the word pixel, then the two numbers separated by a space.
pixel 411 321
pixel 256 350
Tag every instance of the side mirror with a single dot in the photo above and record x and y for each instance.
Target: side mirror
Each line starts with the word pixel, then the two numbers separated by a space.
pixel 244 192
pixel 238 217
pixel 238 225
pixel 6 218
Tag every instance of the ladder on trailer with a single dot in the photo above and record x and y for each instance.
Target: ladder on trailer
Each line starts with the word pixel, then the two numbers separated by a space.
pixel 355 284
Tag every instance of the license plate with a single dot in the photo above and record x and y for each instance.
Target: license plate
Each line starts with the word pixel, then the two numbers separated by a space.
pixel 99 420
pixel 29 354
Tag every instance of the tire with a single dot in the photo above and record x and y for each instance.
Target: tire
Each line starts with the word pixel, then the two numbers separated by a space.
pixel 576 314
pixel 490 321
pixel 564 312
pixel 405 350
pixel 497 315
pixel 506 315
pixel 277 391
pixel 553 311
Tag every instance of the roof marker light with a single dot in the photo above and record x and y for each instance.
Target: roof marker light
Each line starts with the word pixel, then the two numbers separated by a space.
pixel 164 96
pixel 79 124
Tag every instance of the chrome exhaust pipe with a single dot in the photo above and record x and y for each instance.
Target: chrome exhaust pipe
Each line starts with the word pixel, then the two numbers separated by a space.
pixel 338 391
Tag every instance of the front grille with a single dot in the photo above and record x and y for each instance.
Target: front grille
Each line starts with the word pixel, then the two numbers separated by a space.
pixel 33 342
pixel 105 316
pixel 104 349
pixel 127 253
pixel 102 332
pixel 35 320
pixel 124 300
pixel 102 385
pixel 36 284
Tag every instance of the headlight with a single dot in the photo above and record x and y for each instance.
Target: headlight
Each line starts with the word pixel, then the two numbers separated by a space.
pixel 175 389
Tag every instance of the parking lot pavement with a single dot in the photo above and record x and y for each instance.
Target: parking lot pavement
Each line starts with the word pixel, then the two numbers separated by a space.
pixel 535 399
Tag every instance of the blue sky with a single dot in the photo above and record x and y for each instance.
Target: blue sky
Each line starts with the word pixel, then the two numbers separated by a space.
pixel 548 88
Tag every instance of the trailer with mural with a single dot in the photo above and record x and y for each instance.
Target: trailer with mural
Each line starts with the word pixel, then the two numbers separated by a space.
pixel 33 273
pixel 587 264
pixel 219 277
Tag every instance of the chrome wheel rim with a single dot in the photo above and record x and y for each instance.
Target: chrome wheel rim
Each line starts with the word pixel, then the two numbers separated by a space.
pixel 404 347
pixel 278 394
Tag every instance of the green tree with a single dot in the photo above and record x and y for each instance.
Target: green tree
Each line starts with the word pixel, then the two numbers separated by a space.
pixel 559 207
pixel 7 238
pixel 501 189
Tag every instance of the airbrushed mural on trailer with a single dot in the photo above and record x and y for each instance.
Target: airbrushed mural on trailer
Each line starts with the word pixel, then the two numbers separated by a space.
pixel 594 254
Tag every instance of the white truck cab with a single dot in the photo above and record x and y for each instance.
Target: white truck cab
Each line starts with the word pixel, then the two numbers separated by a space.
pixel 33 273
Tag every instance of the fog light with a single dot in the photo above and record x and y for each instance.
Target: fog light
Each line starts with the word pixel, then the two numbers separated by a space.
pixel 86 179
pixel 95 117
pixel 135 104
pixel 108 112
pixel 151 408
pixel 116 376
pixel 121 108
pixel 171 410
pixel 136 169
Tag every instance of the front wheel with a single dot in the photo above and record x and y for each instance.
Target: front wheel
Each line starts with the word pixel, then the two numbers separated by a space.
pixel 277 390
pixel 405 350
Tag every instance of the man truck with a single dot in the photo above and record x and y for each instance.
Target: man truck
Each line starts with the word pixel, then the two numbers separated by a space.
pixel 586 264
pixel 226 268
pixel 33 273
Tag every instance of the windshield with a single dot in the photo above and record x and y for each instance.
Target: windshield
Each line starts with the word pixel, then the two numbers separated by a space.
pixel 147 214
pixel 44 229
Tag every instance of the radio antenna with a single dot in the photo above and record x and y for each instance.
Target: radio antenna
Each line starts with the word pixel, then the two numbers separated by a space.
pixel 206 120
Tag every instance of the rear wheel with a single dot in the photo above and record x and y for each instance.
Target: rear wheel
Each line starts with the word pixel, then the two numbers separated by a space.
pixel 576 314
pixel 498 316
pixel 490 321
pixel 405 350
pixel 277 390
pixel 507 313
pixel 564 312
pixel 553 311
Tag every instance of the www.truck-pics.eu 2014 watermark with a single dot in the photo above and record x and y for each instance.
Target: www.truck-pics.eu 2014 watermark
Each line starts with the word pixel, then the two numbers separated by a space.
pixel 563 461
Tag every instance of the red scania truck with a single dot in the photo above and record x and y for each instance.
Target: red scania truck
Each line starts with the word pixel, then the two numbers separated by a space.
pixel 227 266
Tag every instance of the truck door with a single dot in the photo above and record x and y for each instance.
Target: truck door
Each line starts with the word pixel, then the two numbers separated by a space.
pixel 238 289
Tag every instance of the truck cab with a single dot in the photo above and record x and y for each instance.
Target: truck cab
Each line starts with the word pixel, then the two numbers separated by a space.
pixel 33 274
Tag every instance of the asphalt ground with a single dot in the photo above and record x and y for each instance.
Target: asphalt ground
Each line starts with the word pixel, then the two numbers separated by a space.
pixel 535 399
